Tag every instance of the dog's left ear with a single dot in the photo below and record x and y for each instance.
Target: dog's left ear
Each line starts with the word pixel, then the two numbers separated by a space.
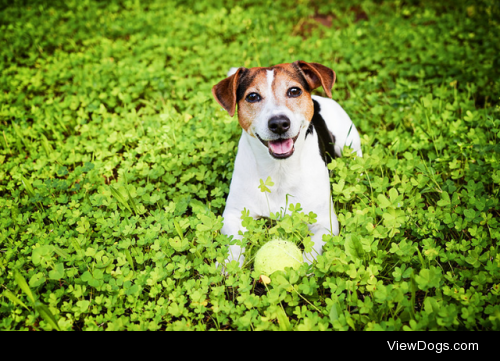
pixel 225 91
pixel 317 75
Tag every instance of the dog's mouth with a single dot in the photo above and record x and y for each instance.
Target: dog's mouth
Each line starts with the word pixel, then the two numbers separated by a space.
pixel 280 148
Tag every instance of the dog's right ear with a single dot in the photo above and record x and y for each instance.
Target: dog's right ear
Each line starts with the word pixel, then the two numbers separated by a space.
pixel 225 91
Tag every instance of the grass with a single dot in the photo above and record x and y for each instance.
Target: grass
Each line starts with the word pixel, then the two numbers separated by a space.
pixel 115 163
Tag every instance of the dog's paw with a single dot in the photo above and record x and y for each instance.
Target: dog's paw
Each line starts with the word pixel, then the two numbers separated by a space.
pixel 312 257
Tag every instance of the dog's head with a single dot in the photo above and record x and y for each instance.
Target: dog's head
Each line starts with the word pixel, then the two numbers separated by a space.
pixel 274 104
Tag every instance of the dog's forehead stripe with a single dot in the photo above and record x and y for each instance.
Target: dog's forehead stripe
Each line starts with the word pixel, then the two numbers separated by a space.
pixel 270 80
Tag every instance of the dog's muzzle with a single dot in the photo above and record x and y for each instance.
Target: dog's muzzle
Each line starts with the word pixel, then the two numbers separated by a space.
pixel 280 148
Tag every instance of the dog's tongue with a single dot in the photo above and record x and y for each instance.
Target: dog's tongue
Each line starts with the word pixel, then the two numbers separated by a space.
pixel 281 146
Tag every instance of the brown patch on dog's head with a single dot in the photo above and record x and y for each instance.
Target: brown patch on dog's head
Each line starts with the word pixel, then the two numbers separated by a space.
pixel 255 81
pixel 302 75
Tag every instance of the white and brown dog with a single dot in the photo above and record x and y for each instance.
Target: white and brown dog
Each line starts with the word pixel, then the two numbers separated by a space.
pixel 288 135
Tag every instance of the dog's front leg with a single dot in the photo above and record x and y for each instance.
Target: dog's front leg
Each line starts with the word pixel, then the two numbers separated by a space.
pixel 232 227
pixel 326 224
pixel 317 238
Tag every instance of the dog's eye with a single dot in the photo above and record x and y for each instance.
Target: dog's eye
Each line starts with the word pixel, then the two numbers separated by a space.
pixel 294 92
pixel 253 98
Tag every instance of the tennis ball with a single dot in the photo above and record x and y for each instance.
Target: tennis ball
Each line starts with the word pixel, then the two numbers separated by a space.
pixel 276 255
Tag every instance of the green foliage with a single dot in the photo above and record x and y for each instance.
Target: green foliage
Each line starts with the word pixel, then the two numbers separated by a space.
pixel 115 164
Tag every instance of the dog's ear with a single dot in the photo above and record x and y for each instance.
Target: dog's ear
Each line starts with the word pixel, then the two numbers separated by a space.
pixel 225 91
pixel 317 75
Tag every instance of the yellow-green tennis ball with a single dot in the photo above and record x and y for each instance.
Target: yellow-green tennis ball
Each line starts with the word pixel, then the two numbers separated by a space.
pixel 276 255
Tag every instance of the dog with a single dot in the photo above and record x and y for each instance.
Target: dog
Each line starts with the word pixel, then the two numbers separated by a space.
pixel 289 135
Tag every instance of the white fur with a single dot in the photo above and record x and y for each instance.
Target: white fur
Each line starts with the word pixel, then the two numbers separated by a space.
pixel 303 175
pixel 270 79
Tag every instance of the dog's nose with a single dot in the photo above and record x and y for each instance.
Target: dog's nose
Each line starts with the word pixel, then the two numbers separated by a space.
pixel 279 124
